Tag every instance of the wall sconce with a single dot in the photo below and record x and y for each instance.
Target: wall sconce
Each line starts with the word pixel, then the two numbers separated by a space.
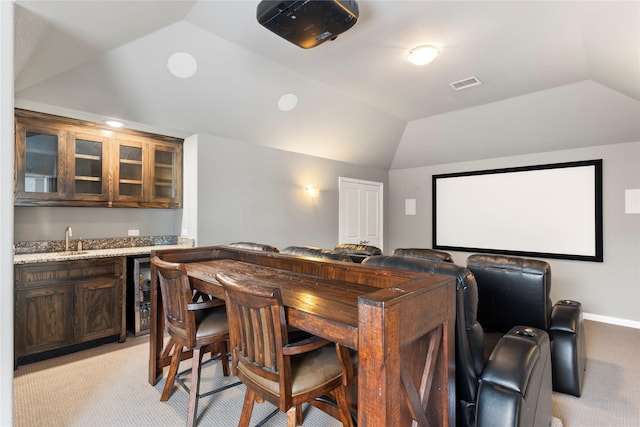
pixel 311 191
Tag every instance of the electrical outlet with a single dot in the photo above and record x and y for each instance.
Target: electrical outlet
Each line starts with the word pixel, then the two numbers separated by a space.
pixel 134 232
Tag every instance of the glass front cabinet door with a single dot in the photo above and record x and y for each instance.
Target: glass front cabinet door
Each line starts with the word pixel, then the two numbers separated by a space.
pixel 130 171
pixel 166 164
pixel 39 165
pixel 88 158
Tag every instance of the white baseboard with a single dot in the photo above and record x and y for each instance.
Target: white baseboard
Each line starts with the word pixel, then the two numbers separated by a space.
pixel 612 320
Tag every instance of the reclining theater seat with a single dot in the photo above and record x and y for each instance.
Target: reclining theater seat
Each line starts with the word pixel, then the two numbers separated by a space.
pixel 357 252
pixel 513 387
pixel 313 252
pixel 254 246
pixel 425 253
pixel 515 291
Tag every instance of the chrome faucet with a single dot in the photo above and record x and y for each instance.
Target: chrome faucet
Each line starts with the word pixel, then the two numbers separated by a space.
pixel 67 233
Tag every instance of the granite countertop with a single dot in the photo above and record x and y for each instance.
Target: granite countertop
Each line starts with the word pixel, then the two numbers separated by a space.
pixel 89 254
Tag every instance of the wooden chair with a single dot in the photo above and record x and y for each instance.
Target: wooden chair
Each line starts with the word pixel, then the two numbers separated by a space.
pixel 197 327
pixel 271 368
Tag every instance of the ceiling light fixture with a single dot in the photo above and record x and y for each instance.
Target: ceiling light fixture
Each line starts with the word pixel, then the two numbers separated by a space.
pixel 423 54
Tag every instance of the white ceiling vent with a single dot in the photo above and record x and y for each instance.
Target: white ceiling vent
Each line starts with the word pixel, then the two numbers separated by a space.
pixel 465 83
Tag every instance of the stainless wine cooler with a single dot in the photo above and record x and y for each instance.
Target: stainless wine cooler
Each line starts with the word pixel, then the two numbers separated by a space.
pixel 138 295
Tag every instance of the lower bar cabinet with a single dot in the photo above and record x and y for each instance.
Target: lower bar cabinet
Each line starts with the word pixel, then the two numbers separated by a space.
pixel 61 305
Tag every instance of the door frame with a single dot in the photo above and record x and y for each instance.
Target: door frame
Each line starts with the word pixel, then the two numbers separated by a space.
pixel 341 182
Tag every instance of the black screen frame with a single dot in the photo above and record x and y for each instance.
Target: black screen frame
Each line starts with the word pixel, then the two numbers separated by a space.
pixel 597 226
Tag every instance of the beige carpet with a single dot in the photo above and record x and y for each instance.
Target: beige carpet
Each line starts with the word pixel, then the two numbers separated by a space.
pixel 107 386
pixel 611 393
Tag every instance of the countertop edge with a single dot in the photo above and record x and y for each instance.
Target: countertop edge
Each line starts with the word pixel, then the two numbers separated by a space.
pixel 90 254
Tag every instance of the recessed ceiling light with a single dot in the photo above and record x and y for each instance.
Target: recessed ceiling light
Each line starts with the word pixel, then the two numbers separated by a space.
pixel 182 65
pixel 287 102
pixel 422 55
pixel 114 123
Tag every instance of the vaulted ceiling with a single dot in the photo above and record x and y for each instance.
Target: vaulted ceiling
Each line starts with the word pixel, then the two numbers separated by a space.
pixel 555 75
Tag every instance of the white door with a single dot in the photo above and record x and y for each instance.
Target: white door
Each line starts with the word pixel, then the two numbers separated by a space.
pixel 360 212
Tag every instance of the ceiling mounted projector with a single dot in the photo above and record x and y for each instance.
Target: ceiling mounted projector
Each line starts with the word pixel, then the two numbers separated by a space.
pixel 307 23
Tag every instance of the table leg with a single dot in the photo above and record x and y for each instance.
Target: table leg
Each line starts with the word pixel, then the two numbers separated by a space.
pixel 156 328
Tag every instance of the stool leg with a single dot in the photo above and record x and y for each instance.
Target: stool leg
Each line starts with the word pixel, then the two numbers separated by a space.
pixel 173 370
pixel 195 387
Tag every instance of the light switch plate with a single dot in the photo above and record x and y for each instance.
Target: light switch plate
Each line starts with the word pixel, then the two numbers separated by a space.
pixel 134 232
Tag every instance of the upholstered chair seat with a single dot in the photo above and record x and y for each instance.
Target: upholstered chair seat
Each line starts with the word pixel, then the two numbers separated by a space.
pixel 320 366
pixel 211 322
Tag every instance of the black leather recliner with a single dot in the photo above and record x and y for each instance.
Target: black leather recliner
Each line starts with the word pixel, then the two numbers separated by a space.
pixel 515 291
pixel 357 252
pixel 314 252
pixel 425 253
pixel 254 246
pixel 513 386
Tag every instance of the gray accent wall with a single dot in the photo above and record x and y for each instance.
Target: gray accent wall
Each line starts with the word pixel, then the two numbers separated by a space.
pixel 607 289
pixel 253 193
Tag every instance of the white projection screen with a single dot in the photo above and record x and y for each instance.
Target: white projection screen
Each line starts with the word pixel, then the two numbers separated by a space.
pixel 548 211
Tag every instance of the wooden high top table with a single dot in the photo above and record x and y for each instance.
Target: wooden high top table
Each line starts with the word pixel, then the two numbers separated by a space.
pixel 400 322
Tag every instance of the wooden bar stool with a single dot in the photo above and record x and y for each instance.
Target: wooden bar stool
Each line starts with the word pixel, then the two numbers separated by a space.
pixel 198 327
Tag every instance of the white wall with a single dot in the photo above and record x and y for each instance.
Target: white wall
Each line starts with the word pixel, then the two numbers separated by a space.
pixel 610 289
pixel 190 188
pixel 247 192
pixel 6 213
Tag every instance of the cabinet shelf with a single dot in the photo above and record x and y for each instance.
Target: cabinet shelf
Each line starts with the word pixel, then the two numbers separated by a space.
pixel 131 181
pixel 88 157
pixel 88 178
pixel 41 151
pixel 131 162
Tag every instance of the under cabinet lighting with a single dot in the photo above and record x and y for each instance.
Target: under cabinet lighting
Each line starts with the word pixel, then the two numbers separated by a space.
pixel 114 123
